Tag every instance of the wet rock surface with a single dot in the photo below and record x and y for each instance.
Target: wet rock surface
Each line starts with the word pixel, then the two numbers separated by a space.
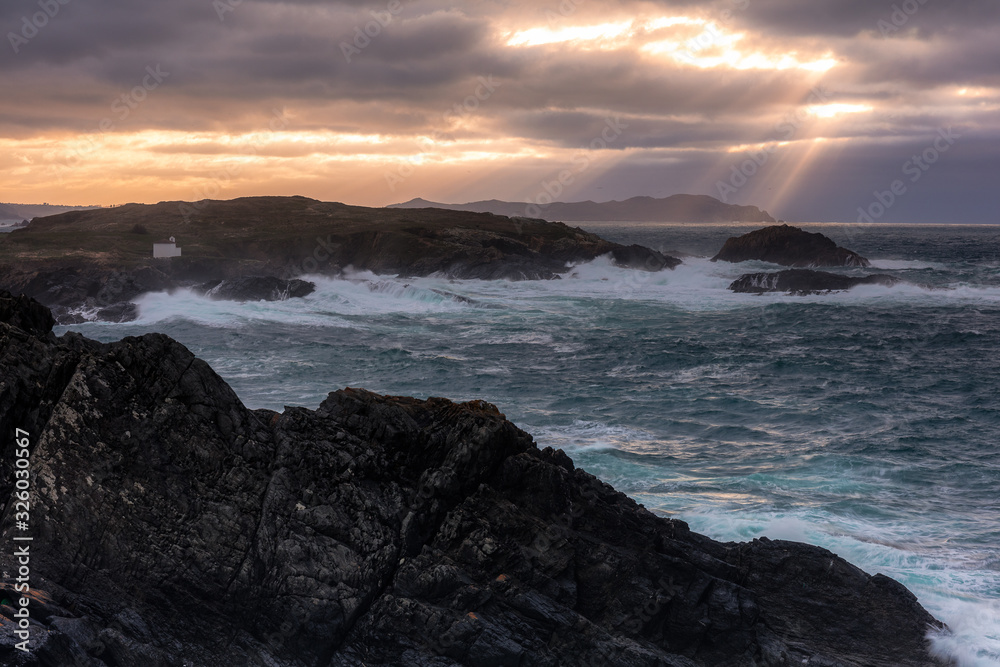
pixel 805 281
pixel 256 288
pixel 174 526
pixel 788 246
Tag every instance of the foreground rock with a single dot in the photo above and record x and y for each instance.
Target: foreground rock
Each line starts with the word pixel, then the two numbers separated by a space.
pixel 788 246
pixel 256 288
pixel 174 526
pixel 805 281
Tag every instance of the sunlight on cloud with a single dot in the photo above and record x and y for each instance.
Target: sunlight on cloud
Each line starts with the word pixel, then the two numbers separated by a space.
pixel 606 35
pixel 715 48
pixel 831 110
pixel 596 33
pixel 704 45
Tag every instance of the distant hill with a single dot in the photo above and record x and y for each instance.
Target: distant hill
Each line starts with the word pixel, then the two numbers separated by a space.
pixel 8 213
pixel 676 208
pixel 29 211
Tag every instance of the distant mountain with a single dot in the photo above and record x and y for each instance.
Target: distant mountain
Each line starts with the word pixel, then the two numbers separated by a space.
pixel 29 211
pixel 676 208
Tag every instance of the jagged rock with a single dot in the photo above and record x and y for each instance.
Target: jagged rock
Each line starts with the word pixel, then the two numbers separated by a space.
pixel 172 525
pixel 805 281
pixel 641 257
pixel 788 246
pixel 120 312
pixel 25 314
pixel 256 288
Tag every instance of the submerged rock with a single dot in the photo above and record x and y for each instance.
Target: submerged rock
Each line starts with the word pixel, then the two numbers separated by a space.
pixel 121 312
pixel 805 281
pixel 256 288
pixel 788 246
pixel 172 525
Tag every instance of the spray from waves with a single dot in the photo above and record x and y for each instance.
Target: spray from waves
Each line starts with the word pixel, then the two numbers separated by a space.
pixel 698 285
pixel 904 265
pixel 959 583
pixel 335 303
pixel 960 590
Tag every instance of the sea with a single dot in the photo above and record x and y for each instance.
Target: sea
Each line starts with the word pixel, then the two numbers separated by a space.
pixel 866 422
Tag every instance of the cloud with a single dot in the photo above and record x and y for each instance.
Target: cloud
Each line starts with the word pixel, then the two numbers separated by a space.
pixel 695 83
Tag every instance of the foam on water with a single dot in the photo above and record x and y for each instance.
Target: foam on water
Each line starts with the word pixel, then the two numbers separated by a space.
pixel 954 586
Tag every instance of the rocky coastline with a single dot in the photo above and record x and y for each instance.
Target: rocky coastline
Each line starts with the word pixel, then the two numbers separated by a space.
pixel 92 264
pixel 237 254
pixel 174 526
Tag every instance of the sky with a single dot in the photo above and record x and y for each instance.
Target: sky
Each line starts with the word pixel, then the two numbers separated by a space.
pixel 829 110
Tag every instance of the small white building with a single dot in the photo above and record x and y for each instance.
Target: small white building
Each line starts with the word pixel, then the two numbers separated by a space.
pixel 169 249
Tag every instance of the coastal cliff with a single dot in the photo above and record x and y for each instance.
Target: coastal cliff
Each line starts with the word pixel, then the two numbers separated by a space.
pixel 172 525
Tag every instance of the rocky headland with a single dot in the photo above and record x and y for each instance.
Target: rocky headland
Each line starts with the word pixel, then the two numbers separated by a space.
pixel 174 526
pixel 788 246
pixel 83 263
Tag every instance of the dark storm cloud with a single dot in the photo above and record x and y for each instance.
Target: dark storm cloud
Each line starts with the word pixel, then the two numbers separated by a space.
pixel 849 18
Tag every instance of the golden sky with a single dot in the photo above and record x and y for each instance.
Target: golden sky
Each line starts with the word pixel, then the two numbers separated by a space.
pixel 808 110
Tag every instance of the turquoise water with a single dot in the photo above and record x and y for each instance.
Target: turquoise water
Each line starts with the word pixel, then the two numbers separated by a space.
pixel 866 422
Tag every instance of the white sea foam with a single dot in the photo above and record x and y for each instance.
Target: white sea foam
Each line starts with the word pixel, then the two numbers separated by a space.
pixel 951 585
pixel 903 265
pixel 697 285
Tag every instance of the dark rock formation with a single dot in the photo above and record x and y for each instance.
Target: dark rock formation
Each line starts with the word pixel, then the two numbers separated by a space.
pixel 25 314
pixel 173 526
pixel 78 295
pixel 788 246
pixel 641 257
pixel 256 288
pixel 529 250
pixel 805 281
pixel 120 312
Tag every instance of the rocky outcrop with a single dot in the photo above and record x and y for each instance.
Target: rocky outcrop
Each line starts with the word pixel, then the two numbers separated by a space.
pixel 84 294
pixel 805 281
pixel 528 250
pixel 172 525
pixel 788 246
pixel 256 288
